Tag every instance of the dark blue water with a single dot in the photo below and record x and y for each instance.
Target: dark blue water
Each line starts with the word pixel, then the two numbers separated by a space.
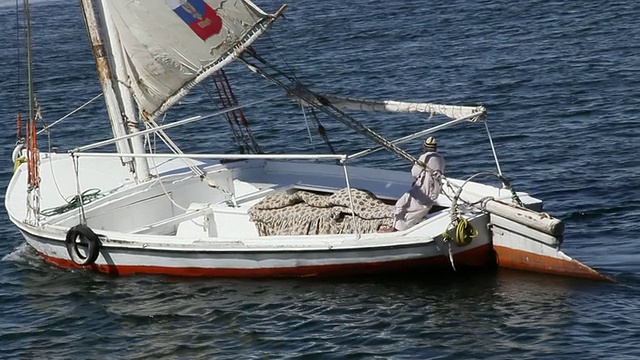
pixel 561 81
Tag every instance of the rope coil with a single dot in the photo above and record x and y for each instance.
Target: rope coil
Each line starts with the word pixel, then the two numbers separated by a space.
pixel 74 202
pixel 463 232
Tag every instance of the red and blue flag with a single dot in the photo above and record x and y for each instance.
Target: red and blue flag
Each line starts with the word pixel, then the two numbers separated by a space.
pixel 198 15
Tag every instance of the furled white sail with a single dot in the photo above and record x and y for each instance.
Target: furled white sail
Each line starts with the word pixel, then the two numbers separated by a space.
pixel 172 45
pixel 450 111
pixel 303 94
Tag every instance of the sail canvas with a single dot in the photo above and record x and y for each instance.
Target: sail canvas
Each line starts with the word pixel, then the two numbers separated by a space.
pixel 171 46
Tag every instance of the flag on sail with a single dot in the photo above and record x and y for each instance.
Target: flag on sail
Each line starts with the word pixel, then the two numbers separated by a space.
pixel 198 15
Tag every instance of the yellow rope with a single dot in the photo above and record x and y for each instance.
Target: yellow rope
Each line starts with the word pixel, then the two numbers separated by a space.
pixel 464 233
pixel 19 161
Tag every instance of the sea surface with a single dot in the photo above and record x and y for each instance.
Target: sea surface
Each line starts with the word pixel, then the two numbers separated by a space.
pixel 561 82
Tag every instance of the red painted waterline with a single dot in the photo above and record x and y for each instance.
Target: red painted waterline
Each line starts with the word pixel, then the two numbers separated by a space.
pixel 523 260
pixel 480 256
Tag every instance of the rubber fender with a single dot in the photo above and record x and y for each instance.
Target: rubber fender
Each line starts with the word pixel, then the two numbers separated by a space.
pixel 82 234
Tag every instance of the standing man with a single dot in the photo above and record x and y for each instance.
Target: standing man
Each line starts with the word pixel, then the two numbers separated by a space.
pixel 415 204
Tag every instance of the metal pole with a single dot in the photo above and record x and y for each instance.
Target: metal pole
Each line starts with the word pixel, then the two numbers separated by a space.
pixel 125 97
pixel 356 223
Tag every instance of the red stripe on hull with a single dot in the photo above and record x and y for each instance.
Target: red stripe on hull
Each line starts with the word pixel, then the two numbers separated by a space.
pixel 523 260
pixel 480 256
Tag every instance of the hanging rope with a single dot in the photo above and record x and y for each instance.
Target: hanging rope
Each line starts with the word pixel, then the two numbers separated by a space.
pixel 228 100
pixel 322 131
pixel 457 190
pixel 33 157
pixel 19 128
pixel 237 135
pixel 231 118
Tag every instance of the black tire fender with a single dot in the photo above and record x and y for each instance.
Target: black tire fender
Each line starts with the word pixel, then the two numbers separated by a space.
pixel 82 234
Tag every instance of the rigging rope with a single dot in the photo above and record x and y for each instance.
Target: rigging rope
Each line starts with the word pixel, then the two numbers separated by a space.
pixel 240 141
pixel 227 100
pixel 322 131
pixel 155 166
pixel 506 184
pixel 320 128
pixel 284 60
pixel 306 122
pixel 493 149
pixel 190 163
pixel 19 129
pixel 46 128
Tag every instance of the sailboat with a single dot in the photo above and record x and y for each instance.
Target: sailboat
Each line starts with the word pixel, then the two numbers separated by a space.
pixel 121 207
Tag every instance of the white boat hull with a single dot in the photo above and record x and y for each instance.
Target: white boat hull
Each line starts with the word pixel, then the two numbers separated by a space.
pixel 178 226
pixel 230 261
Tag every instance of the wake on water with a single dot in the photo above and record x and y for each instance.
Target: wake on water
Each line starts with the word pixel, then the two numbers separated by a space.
pixel 24 254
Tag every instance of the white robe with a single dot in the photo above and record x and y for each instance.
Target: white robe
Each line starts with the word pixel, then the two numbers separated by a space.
pixel 413 205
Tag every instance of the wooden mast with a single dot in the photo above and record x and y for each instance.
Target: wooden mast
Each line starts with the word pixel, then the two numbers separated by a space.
pixel 104 75
pixel 125 97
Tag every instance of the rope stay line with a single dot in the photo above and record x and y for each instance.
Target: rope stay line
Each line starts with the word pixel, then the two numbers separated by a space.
pixel 173 147
pixel 189 162
pixel 46 128
pixel 306 122
pixel 416 135
pixel 237 135
pixel 166 126
pixel 322 131
pixel 228 99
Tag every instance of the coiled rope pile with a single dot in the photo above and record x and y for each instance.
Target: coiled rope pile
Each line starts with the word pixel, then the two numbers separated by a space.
pixel 74 202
